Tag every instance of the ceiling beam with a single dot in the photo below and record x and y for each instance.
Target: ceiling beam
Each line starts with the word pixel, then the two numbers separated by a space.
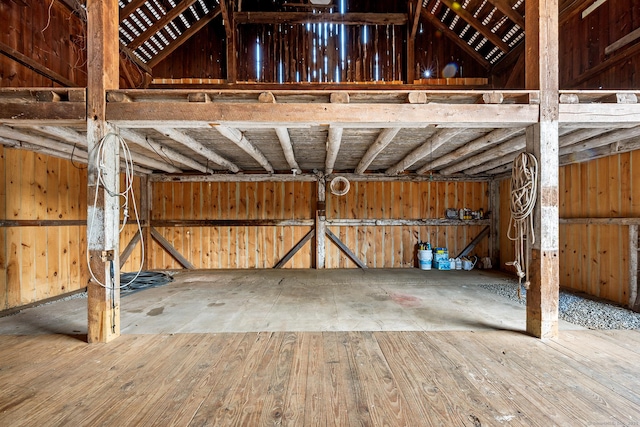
pixel 130 8
pixel 416 18
pixel 441 137
pixel 238 138
pixel 312 18
pixel 70 135
pixel 504 7
pixel 287 148
pixel 631 144
pixel 384 138
pixel 160 23
pixel 334 140
pixel 492 164
pixel 515 144
pixel 479 27
pixel 196 146
pixel 488 140
pixel 571 9
pixel 171 154
pixel 195 27
pixel 453 36
pixel 44 142
pixel 608 138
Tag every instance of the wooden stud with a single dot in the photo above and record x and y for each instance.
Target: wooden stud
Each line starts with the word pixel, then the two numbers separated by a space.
pixel 321 227
pixel 634 295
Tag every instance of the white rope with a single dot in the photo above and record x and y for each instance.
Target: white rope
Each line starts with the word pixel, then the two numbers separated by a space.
pixel 524 183
pixel 127 194
pixel 340 186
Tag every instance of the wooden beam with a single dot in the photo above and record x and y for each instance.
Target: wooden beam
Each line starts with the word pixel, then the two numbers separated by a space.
pixel 160 23
pixel 380 115
pixel 81 157
pixel 494 208
pixel 608 138
pixel 604 151
pixel 128 250
pixel 229 20
pixel 75 137
pixel 164 243
pixel 588 11
pixel 482 143
pixel 504 7
pixel 132 57
pixel 507 147
pixel 412 30
pixel 345 249
pixel 238 138
pixel 321 223
pixel 541 72
pixel 440 138
pixel 34 65
pixel 228 177
pixel 193 29
pixel 295 249
pixel 171 154
pixel 334 140
pixel 467 250
pixel 292 18
pixel 477 25
pixel 571 8
pixel 634 294
pixel 384 138
pixel 287 148
pixel 453 36
pixel 196 146
pixel 629 38
pixel 491 165
pixel 404 222
pixel 40 141
pixel 130 8
pixel 103 212
pixel 232 223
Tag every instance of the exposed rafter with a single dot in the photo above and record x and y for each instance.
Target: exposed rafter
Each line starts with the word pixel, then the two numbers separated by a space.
pixel 455 38
pixel 171 154
pixel 197 26
pixel 238 138
pixel 287 148
pixel 482 29
pixel 608 138
pixel 384 138
pixel 334 140
pixel 160 23
pixel 328 18
pixel 515 144
pixel 504 7
pixel 196 146
pixel 438 139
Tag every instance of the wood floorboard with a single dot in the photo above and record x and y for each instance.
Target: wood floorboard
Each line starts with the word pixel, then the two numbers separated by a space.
pixel 322 378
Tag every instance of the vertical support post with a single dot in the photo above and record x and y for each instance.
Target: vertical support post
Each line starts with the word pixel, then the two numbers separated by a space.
pixel 146 196
pixel 541 46
pixel 494 236
pixel 103 213
pixel 634 303
pixel 227 10
pixel 321 224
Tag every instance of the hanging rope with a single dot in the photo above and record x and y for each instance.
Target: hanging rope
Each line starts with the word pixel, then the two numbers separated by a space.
pixel 524 182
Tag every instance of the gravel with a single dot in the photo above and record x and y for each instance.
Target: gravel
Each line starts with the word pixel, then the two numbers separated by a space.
pixel 578 309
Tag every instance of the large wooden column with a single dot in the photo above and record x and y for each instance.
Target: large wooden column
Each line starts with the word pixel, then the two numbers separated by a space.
pixel 103 213
pixel 321 223
pixel 541 45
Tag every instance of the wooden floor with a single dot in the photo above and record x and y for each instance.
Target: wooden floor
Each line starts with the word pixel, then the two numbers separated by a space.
pixel 325 378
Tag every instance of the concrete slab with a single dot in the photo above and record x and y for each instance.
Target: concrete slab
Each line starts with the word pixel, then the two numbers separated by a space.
pixel 297 300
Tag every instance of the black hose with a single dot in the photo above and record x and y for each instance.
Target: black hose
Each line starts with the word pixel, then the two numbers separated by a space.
pixel 145 280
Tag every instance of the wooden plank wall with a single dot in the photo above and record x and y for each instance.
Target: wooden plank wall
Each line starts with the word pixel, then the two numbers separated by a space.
pixel 585 49
pixel 395 246
pixel 47 32
pixel 40 262
pixel 593 258
pixel 238 246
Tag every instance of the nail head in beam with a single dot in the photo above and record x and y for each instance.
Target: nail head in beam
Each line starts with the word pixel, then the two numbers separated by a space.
pixel 417 98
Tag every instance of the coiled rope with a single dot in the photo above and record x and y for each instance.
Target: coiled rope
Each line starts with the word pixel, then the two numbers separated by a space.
pixel 524 183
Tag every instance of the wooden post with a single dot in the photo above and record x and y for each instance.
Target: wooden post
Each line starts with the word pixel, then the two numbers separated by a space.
pixel 146 196
pixel 227 10
pixel 494 236
pixel 542 140
pixel 634 302
pixel 321 223
pixel 103 213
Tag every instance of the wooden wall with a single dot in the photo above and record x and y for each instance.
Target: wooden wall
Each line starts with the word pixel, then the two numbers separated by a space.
pixel 264 246
pixel 40 262
pixel 47 32
pixel 237 246
pixel 593 258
